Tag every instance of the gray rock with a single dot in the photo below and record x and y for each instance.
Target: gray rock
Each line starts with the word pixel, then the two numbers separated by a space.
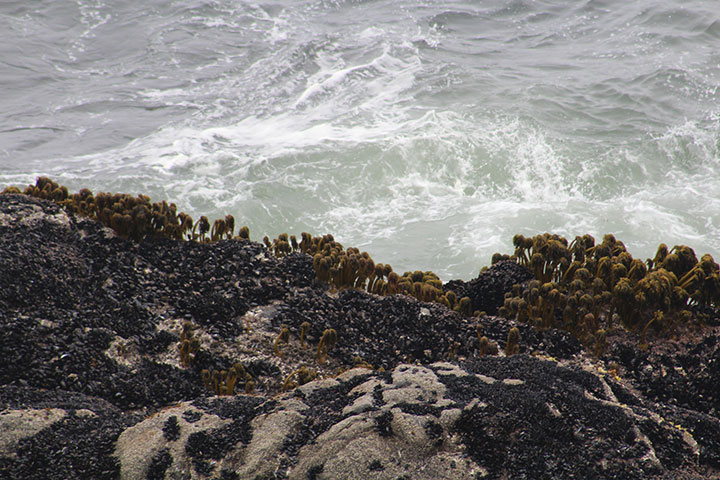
pixel 423 429
pixel 16 425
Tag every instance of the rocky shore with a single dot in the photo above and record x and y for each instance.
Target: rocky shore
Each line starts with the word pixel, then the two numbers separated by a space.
pixel 113 352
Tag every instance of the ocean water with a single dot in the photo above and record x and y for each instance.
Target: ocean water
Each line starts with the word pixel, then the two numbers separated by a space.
pixel 427 133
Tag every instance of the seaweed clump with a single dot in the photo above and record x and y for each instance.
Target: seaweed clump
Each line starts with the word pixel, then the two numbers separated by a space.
pixel 588 289
pixel 223 382
pixel 349 268
pixel 132 217
pixel 189 344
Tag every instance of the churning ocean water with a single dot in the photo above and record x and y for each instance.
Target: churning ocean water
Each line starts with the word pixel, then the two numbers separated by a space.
pixel 427 133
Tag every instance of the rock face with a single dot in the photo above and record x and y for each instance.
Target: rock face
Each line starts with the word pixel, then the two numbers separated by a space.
pixel 487 291
pixel 92 386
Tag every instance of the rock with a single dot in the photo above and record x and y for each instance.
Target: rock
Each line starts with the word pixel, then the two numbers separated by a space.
pixel 92 384
pixel 144 447
pixel 56 434
pixel 487 291
pixel 17 425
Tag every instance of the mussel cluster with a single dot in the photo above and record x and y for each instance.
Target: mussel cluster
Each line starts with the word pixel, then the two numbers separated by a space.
pixel 588 289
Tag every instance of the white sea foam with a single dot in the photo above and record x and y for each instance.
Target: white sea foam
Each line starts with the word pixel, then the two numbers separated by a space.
pixel 426 134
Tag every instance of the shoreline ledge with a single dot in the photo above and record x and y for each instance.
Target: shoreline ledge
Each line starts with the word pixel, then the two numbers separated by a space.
pixel 175 359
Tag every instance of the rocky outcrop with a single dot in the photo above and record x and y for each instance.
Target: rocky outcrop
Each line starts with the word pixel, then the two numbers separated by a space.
pixel 487 291
pixel 92 384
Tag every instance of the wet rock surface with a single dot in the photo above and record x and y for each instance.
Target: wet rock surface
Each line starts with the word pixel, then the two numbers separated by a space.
pixel 92 385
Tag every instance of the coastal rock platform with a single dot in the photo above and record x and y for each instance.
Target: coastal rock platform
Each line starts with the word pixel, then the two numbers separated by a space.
pixel 93 385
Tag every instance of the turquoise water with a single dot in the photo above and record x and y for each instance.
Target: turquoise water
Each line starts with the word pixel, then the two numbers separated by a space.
pixel 427 133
